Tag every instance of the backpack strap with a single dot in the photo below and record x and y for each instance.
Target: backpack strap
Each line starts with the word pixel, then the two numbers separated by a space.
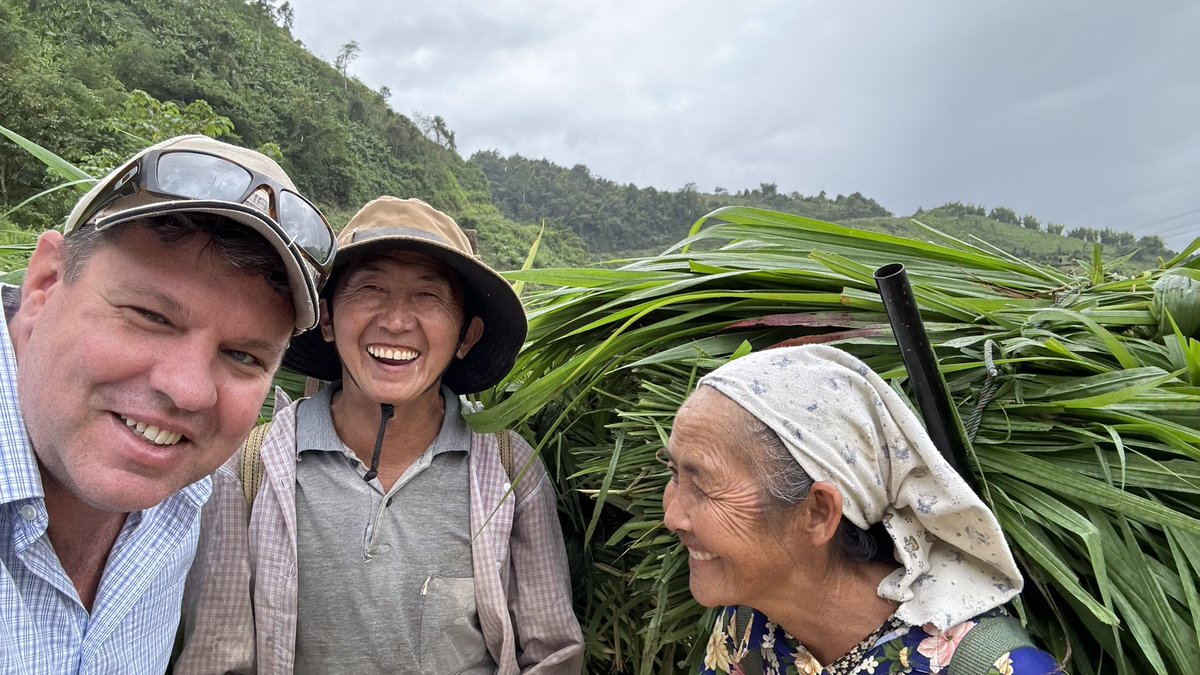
pixel 752 662
pixel 252 468
pixel 506 454
pixel 986 642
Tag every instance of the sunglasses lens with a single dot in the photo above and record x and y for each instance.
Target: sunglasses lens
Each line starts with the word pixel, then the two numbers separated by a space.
pixel 306 226
pixel 197 176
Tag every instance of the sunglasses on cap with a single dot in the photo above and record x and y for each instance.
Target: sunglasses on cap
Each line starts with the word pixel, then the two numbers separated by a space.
pixel 191 174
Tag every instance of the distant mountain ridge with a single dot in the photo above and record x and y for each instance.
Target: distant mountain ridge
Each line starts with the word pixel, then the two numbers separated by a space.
pixel 617 220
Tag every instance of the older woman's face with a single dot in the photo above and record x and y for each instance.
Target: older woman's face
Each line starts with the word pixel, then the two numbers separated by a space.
pixel 738 552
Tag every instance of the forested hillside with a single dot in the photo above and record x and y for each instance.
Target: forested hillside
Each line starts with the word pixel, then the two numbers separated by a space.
pixel 72 77
pixel 617 219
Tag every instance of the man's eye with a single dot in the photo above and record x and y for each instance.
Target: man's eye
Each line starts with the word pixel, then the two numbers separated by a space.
pixel 243 358
pixel 151 316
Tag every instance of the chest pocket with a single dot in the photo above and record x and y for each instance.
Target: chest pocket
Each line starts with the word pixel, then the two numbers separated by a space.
pixel 451 640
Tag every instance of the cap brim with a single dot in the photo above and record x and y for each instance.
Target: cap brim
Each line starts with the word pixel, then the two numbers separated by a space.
pixel 492 299
pixel 305 296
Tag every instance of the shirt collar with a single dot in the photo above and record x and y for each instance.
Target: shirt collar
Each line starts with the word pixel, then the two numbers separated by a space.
pixel 19 475
pixel 315 431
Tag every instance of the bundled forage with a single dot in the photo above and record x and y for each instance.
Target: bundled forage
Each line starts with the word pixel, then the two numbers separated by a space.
pixel 1086 432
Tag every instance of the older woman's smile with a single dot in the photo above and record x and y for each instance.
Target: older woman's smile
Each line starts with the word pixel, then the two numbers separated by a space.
pixel 697 554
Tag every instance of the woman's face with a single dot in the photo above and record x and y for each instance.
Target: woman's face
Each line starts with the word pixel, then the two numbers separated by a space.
pixel 396 321
pixel 739 551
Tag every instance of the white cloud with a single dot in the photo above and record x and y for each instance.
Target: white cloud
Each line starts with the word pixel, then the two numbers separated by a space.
pixel 1078 112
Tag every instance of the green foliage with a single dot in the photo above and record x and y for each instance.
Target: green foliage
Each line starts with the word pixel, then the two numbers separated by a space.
pixel 1005 215
pixel 1089 453
pixel 624 220
pixel 92 82
pixel 15 246
pixel 620 220
pixel 612 219
pixel 143 120
pixel 1026 241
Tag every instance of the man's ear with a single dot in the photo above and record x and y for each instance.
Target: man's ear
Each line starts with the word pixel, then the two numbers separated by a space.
pixel 47 267
pixel 822 513
pixel 44 275
pixel 470 337
pixel 325 322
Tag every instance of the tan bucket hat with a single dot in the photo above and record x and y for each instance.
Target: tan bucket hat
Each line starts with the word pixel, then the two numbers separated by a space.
pixel 391 224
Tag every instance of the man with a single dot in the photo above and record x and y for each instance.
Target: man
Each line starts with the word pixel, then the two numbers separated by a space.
pixel 134 360
pixel 386 536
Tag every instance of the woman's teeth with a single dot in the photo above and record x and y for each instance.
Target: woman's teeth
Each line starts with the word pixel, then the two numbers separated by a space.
pixel 392 354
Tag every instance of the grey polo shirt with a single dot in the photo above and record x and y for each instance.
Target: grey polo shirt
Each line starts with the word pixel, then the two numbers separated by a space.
pixel 385 580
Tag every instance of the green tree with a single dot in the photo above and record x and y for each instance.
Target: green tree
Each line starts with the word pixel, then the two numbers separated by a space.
pixel 143 120
pixel 1005 215
pixel 345 57
pixel 287 16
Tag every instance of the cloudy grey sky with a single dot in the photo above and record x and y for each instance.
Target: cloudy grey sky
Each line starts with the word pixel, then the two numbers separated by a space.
pixel 1085 113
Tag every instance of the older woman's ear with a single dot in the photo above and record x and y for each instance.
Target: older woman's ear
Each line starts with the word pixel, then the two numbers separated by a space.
pixel 822 513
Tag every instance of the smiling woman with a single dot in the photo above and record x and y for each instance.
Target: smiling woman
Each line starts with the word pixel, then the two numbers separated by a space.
pixel 781 462
pixel 417 546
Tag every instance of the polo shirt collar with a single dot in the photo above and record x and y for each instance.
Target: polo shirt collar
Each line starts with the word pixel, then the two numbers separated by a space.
pixel 315 431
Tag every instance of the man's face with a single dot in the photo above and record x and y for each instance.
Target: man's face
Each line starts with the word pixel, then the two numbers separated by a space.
pixel 396 322
pixel 144 374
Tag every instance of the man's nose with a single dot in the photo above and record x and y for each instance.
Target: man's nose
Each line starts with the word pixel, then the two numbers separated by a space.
pixel 186 375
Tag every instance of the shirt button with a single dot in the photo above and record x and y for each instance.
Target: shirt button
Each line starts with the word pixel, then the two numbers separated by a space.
pixel 506 487
pixel 29 512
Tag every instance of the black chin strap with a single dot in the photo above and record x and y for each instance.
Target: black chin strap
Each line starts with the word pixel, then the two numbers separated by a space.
pixel 386 410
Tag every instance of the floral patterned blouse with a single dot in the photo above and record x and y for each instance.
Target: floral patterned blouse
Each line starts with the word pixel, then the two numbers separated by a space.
pixel 892 650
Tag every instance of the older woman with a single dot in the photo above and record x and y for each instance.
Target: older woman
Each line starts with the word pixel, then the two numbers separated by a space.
pixel 784 464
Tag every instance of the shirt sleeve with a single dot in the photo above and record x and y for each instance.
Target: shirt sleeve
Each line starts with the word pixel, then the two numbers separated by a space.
pixel 218 620
pixel 549 641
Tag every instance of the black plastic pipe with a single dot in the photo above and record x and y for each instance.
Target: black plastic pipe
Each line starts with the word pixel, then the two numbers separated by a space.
pixel 921 364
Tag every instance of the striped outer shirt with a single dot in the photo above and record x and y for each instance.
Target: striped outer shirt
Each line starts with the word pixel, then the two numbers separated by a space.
pixel 44 628
pixel 240 602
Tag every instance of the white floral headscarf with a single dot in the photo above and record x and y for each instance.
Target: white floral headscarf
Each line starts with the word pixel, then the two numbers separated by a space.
pixel 846 426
